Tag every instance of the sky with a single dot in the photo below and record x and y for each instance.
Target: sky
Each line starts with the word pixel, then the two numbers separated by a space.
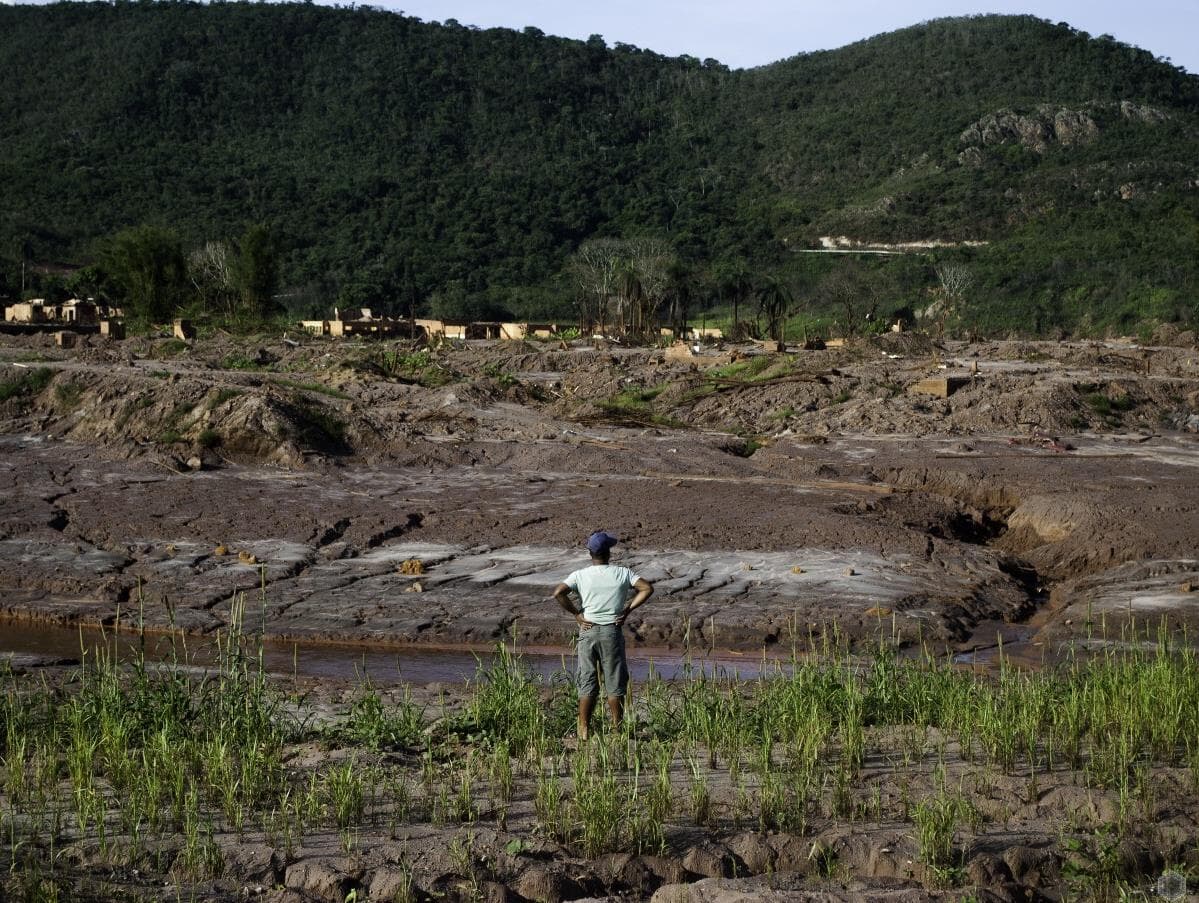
pixel 742 33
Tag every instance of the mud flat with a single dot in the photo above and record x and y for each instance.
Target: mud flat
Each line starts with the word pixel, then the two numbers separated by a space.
pixel 919 539
pixel 775 502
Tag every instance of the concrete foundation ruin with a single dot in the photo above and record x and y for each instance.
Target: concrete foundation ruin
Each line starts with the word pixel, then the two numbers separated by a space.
pixel 74 311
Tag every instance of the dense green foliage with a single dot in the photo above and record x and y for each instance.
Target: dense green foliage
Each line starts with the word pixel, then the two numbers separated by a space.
pixel 398 164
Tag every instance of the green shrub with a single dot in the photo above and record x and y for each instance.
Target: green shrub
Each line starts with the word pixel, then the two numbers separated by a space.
pixel 748 369
pixel 222 396
pixel 1106 405
pixel 239 362
pixel 500 375
pixel 26 384
pixel 373 723
pixel 68 395
pixel 413 366
pixel 634 404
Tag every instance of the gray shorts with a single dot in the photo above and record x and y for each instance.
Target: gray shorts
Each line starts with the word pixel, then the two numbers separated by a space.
pixel 602 646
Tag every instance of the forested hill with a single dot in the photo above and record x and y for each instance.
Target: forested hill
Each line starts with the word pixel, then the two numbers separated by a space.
pixel 397 159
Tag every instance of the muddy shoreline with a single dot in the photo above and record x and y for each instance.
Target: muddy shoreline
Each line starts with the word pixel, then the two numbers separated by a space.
pixel 449 810
pixel 776 502
pixel 865 536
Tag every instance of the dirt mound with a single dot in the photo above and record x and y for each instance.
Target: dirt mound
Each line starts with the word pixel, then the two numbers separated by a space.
pixel 1022 474
pixel 283 403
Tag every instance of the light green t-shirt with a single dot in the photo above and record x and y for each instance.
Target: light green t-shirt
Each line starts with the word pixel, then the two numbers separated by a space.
pixel 604 590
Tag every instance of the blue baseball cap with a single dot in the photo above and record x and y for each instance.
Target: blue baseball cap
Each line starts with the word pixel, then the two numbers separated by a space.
pixel 600 542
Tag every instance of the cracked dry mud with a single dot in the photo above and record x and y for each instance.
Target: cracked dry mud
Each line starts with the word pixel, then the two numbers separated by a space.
pixel 1018 504
pixel 931 539
pixel 869 507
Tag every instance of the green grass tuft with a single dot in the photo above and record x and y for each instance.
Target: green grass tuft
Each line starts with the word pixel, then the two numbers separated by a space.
pixel 26 384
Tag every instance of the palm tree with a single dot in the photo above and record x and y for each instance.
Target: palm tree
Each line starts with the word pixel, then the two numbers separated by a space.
pixel 735 284
pixel 774 300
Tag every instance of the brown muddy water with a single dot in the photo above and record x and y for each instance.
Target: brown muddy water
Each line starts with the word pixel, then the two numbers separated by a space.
pixel 47 643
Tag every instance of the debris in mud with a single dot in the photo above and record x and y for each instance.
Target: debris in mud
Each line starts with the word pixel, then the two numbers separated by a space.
pixel 299 432
pixel 478 468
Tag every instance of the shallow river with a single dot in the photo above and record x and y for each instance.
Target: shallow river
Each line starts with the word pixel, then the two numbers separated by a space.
pixel 418 666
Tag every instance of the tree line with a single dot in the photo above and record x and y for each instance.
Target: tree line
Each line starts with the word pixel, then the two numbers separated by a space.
pixel 403 165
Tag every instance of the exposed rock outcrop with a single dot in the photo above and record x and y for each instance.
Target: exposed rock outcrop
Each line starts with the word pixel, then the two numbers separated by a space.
pixel 1035 131
pixel 1047 125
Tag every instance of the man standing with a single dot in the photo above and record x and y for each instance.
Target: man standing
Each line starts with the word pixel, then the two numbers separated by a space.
pixel 604 592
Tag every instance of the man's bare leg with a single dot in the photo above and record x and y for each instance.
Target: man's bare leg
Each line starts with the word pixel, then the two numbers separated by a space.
pixel 586 707
pixel 616 709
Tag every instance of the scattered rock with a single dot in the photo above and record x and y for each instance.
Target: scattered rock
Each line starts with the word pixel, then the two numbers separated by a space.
pixel 711 860
pixel 1031 865
pixel 753 850
pixel 544 882
pixel 412 566
pixel 988 870
pixel 323 879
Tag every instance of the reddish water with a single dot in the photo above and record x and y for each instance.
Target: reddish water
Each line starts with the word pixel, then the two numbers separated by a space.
pixel 418 666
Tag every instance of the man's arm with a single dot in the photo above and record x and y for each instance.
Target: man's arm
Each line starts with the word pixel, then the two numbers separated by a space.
pixel 645 589
pixel 562 595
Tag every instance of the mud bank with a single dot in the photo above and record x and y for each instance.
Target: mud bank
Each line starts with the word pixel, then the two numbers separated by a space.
pixel 768 496
pixel 1053 498
pixel 913 539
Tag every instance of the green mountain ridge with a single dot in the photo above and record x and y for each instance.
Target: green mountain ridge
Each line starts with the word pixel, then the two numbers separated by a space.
pixel 394 159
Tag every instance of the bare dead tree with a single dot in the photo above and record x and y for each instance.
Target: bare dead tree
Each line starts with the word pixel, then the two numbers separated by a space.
pixel 210 269
pixel 595 267
pixel 955 280
pixel 636 272
pixel 652 260
pixel 857 296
